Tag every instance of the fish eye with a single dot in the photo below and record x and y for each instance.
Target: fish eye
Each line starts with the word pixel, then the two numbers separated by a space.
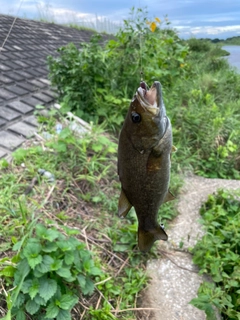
pixel 136 118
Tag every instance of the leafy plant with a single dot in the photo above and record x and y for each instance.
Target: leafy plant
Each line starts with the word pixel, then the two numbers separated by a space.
pixel 50 269
pixel 97 81
pixel 83 196
pixel 218 254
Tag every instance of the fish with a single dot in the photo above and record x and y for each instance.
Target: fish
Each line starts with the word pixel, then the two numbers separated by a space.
pixel 144 162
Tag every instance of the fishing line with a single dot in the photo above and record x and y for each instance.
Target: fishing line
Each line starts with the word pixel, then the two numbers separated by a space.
pixel 10 30
pixel 141 53
pixel 141 58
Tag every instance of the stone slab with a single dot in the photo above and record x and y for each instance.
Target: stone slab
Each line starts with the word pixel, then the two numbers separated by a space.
pixel 2 121
pixel 5 79
pixel 10 141
pixel 37 84
pixel 8 114
pixel 3 152
pixel 31 120
pixel 28 86
pixel 43 97
pixel 17 90
pixel 20 106
pixel 23 129
pixel 13 75
pixel 31 101
pixel 6 95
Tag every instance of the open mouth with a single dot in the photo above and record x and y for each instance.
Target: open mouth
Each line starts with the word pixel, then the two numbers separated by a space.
pixel 149 98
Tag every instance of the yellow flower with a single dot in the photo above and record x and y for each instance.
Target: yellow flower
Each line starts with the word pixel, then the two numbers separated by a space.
pixel 153 26
pixel 158 20
pixel 182 65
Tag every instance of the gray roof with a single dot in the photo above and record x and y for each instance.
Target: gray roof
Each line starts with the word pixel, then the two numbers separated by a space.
pixel 24 75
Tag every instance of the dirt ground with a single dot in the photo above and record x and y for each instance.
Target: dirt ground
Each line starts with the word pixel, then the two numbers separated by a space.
pixel 174 278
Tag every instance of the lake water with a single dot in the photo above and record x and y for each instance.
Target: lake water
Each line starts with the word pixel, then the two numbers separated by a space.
pixel 234 58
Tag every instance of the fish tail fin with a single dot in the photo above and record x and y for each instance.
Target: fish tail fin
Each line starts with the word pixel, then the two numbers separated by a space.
pixel 146 238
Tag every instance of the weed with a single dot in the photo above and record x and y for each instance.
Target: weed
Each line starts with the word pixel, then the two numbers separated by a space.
pixel 218 255
pixel 46 269
pixel 50 269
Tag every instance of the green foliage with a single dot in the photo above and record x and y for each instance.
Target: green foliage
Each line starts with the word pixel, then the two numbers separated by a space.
pixel 208 132
pixel 201 92
pixel 97 81
pixel 50 268
pixel 199 45
pixel 204 115
pixel 51 271
pixel 218 254
pixel 84 83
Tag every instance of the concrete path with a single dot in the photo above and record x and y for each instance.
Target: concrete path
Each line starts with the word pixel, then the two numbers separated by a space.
pixel 174 279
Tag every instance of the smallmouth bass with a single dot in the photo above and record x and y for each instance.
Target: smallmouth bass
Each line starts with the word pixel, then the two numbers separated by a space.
pixel 144 150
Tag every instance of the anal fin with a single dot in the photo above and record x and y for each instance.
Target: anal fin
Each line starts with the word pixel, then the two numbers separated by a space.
pixel 169 197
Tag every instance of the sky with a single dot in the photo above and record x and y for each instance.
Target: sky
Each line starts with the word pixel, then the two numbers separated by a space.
pixel 191 18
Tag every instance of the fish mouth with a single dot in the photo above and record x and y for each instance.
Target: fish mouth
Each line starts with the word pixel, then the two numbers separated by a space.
pixel 149 99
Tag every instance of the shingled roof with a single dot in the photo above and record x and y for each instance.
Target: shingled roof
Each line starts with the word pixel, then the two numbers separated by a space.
pixel 24 75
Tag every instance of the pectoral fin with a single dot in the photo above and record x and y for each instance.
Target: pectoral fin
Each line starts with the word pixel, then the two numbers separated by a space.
pixel 169 197
pixel 174 149
pixel 123 205
pixel 147 238
pixel 154 163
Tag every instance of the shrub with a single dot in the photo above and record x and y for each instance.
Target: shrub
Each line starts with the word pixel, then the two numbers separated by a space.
pixel 50 269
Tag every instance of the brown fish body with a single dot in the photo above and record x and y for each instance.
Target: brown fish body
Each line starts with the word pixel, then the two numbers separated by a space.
pixel 145 145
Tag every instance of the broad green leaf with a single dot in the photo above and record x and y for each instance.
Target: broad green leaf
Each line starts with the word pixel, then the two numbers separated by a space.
pixel 69 258
pixel 65 245
pixel 41 230
pixel 8 271
pixel 67 301
pixel 32 253
pixel 51 235
pixel 89 287
pixel 20 315
pixel 47 288
pixel 39 300
pixel 56 265
pixel 45 265
pixel 64 272
pixel 50 247
pixel 19 300
pixel 32 307
pixel 81 280
pixel 64 315
pixel 52 310
pixel 26 285
pixel 34 288
pixel 95 271
pixel 22 271
pixel 32 249
pixel 34 261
